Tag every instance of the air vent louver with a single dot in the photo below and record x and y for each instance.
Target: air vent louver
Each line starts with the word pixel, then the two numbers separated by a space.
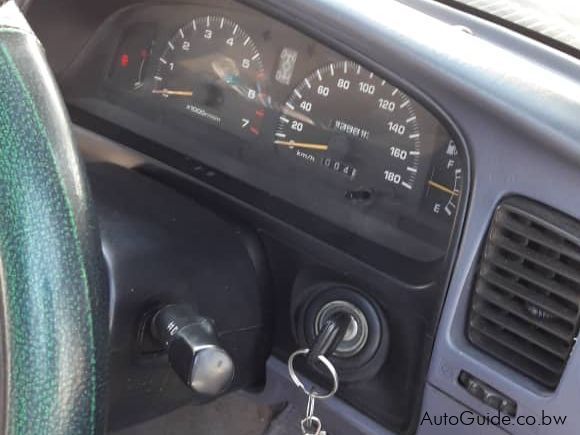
pixel 525 309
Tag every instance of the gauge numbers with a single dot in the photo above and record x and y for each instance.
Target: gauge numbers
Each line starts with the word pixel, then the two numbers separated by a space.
pixel 343 119
pixel 212 70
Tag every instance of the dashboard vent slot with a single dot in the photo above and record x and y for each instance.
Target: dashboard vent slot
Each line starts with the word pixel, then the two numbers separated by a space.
pixel 525 308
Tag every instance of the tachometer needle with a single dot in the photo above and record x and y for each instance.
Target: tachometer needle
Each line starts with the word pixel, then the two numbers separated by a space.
pixel 170 92
pixel 311 146
pixel 442 188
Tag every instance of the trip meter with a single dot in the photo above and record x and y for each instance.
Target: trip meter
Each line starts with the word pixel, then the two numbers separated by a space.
pixel 345 120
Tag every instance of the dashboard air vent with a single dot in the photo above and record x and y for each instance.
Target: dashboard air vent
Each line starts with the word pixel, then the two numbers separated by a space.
pixel 526 301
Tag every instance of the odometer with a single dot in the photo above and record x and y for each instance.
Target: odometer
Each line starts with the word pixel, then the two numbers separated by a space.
pixel 345 120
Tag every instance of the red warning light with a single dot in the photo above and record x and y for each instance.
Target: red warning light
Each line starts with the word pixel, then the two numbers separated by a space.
pixel 124 60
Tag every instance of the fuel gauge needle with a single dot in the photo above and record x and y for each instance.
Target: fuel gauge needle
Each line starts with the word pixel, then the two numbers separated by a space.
pixel 170 92
pixel 310 146
pixel 442 188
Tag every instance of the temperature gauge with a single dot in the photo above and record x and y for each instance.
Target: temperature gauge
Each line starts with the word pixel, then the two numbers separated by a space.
pixel 132 57
pixel 445 183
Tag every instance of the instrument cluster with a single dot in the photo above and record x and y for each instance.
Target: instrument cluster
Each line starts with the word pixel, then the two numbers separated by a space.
pixel 280 111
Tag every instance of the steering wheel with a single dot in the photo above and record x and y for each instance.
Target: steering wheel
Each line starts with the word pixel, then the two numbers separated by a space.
pixel 53 301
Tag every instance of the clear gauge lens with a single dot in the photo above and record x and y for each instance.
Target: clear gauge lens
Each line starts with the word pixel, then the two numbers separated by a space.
pixel 445 182
pixel 212 70
pixel 343 119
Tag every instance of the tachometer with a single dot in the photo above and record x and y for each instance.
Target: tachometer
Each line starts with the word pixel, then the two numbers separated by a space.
pixel 344 119
pixel 212 70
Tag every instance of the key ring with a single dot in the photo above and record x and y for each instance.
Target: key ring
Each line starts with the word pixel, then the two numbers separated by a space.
pixel 300 384
pixel 313 421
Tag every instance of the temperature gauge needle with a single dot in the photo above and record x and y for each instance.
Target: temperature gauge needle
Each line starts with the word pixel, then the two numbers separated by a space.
pixel 170 92
pixel 310 146
pixel 442 188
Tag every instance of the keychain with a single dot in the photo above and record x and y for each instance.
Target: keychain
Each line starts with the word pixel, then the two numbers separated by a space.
pixel 310 424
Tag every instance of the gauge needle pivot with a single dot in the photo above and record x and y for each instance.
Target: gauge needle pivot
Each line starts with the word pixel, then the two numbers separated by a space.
pixel 442 188
pixel 310 146
pixel 173 92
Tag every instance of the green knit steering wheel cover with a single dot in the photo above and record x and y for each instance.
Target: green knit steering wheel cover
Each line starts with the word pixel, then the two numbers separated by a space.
pixel 50 338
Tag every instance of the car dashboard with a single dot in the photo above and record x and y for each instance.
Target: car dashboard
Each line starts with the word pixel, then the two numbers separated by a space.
pixel 368 147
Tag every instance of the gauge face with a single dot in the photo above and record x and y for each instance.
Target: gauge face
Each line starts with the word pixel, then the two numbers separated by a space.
pixel 344 119
pixel 445 183
pixel 212 70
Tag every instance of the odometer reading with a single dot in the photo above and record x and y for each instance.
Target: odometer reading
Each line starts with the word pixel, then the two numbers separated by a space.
pixel 343 118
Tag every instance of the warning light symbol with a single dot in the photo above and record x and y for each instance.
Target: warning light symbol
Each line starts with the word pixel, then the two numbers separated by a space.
pixel 124 60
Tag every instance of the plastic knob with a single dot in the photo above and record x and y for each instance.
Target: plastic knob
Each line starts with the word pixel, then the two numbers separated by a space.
pixel 193 349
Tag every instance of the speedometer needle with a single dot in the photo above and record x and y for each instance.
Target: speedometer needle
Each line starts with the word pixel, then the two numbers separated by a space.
pixel 442 188
pixel 170 92
pixel 311 146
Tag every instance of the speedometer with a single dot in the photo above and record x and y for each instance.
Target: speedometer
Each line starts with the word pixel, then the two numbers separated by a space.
pixel 345 120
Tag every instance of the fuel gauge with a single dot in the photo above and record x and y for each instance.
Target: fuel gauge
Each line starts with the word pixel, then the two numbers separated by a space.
pixel 445 182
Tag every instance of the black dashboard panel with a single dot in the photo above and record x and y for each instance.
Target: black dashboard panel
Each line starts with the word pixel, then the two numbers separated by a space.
pixel 360 160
